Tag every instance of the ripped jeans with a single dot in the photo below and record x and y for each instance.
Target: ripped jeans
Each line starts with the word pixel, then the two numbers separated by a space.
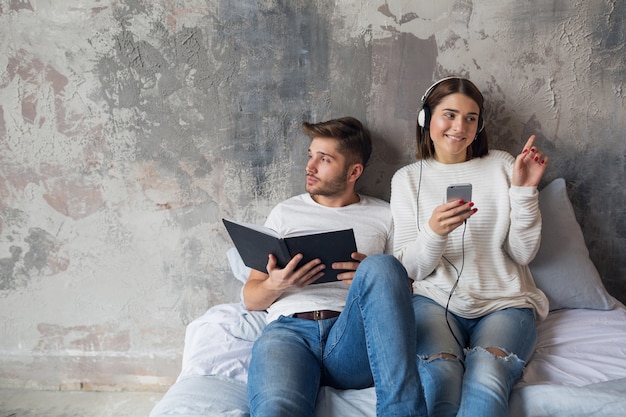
pixel 472 381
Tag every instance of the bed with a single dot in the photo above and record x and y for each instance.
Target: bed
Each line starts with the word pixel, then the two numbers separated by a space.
pixel 578 367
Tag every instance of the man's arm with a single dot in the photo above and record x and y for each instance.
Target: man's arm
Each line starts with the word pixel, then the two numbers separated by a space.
pixel 261 290
pixel 255 294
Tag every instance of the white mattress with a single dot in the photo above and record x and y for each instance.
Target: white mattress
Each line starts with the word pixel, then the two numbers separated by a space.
pixel 577 370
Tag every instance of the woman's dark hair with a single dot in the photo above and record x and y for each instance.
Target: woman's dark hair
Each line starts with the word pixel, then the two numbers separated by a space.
pixel 355 143
pixel 425 146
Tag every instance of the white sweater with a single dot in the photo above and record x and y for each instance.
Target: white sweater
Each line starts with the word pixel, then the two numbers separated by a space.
pixel 500 239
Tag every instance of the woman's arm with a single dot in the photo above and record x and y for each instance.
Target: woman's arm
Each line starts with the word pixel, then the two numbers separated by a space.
pixel 525 230
pixel 418 250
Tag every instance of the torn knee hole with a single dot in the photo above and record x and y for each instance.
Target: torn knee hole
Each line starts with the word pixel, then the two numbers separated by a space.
pixel 497 352
pixel 442 356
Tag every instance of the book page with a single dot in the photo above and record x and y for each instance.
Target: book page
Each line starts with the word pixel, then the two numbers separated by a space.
pixel 258 228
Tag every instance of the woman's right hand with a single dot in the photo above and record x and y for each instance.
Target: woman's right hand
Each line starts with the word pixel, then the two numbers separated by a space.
pixel 450 215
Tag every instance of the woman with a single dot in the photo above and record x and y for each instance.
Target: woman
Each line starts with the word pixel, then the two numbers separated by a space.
pixel 475 301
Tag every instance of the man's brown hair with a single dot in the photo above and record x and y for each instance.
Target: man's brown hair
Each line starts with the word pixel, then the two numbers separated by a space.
pixel 355 143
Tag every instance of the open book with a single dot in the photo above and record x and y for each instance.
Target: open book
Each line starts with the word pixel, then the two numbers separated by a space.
pixel 255 243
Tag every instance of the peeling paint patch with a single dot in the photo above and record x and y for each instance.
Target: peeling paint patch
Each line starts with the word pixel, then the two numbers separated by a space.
pixel 27 69
pixel 613 33
pixel 17 5
pixel 74 199
pixel 7 269
pixel 405 18
pixel 42 98
pixel 41 259
pixel 43 253
pixel 95 338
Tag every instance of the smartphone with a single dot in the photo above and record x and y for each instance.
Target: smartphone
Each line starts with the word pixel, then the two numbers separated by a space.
pixel 459 192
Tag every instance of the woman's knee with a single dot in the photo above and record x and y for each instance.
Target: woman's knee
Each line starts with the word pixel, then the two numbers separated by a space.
pixel 442 366
pixel 483 364
pixel 442 378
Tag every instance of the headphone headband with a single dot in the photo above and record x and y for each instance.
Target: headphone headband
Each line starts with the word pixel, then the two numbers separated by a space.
pixel 435 84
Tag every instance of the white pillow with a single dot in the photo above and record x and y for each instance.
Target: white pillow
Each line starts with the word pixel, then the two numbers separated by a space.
pixel 562 268
pixel 240 270
pixel 249 324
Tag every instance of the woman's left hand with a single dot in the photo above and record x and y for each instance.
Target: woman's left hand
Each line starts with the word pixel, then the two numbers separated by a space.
pixel 529 165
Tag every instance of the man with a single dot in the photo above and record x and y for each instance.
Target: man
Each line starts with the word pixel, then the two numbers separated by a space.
pixel 347 334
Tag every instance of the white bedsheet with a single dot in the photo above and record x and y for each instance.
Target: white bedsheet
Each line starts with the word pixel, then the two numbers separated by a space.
pixel 220 342
pixel 213 396
pixel 579 347
pixel 606 399
pixel 574 347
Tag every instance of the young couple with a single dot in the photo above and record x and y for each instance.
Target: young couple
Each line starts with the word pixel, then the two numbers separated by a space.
pixel 438 310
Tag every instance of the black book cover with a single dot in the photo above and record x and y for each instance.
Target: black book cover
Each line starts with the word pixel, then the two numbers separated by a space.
pixel 254 243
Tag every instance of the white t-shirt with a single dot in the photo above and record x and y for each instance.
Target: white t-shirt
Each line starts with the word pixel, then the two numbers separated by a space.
pixel 370 219
pixel 499 242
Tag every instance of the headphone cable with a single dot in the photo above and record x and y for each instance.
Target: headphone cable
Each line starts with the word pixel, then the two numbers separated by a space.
pixel 458 277
pixel 419 183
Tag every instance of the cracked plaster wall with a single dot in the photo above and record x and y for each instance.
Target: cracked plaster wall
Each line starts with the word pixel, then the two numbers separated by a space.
pixel 129 128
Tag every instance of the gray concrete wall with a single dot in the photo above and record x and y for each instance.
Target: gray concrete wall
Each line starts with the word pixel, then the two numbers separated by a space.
pixel 129 128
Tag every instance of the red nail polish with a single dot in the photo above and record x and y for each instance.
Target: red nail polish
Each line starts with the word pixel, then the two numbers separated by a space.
pixel 525 150
pixel 536 158
pixel 471 204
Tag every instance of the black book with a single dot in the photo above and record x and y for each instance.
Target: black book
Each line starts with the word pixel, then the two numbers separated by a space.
pixel 254 243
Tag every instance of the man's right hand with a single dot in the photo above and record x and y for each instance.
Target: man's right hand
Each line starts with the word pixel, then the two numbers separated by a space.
pixel 282 279
pixel 261 290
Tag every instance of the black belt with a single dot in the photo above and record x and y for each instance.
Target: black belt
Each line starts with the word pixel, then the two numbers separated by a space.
pixel 317 315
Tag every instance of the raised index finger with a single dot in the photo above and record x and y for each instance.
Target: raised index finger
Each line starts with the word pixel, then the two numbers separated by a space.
pixel 529 143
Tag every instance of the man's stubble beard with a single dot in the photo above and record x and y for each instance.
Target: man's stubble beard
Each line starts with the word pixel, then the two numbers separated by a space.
pixel 329 188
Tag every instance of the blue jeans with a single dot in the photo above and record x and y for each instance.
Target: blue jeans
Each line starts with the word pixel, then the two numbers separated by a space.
pixel 471 381
pixel 372 342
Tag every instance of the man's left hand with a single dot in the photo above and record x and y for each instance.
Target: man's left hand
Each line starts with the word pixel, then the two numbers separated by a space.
pixel 347 277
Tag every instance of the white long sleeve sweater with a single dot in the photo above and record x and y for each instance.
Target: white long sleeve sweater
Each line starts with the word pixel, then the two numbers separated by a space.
pixel 499 240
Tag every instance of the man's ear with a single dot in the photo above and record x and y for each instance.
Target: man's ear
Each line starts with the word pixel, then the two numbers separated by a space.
pixel 355 172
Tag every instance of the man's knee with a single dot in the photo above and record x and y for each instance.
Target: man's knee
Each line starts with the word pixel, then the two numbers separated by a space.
pixel 383 269
pixel 380 261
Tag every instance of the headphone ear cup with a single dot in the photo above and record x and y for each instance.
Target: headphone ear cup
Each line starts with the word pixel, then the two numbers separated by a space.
pixel 423 118
pixel 420 118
